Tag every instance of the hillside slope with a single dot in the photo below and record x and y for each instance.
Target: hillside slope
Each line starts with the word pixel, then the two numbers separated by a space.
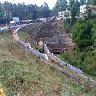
pixel 22 74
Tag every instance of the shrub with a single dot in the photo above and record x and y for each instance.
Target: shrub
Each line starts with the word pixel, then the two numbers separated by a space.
pixel 82 34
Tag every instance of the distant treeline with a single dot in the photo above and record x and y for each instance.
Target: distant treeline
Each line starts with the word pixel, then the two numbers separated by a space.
pixel 23 11
pixel 30 11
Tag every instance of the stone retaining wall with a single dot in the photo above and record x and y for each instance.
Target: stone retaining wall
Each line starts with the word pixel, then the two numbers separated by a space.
pixel 66 68
pixel 60 62
pixel 27 46
pixel 69 70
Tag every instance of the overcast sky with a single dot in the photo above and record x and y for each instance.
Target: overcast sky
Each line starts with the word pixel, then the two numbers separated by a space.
pixel 51 3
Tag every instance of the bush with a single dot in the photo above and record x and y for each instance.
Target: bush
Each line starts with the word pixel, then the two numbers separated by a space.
pixel 67 25
pixel 82 34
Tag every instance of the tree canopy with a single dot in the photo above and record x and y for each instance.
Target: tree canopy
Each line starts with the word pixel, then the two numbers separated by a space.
pixel 24 11
pixel 1 11
pixel 60 5
pixel 82 34
pixel 82 2
pixel 94 2
pixel 74 7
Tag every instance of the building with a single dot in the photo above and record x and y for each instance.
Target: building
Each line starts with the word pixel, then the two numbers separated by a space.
pixel 64 14
pixel 83 10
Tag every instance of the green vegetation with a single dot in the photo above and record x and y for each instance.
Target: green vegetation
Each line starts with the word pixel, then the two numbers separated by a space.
pixel 82 34
pixel 94 2
pixel 67 25
pixel 90 2
pixel 21 73
pixel 83 60
pixel 61 5
pixel 84 55
pixel 23 11
pixel 73 7
pixel 1 11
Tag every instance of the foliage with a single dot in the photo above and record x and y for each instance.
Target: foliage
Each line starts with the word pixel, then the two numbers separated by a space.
pixel 67 25
pixel 94 2
pixel 83 60
pixel 88 12
pixel 46 10
pixel 24 11
pixel 82 2
pixel 60 5
pixel 55 11
pixel 91 2
pixel 74 8
pixel 1 11
pixel 82 34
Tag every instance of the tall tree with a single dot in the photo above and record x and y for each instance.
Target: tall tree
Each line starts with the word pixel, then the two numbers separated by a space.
pixel 74 8
pixel 88 12
pixel 24 11
pixel 82 34
pixel 94 2
pixel 55 11
pixel 89 2
pixel 8 12
pixel 1 11
pixel 82 2
pixel 71 3
pixel 61 5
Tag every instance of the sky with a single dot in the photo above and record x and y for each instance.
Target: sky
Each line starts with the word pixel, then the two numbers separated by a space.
pixel 51 3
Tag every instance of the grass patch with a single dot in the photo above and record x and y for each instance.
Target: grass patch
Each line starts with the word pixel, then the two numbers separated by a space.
pixel 23 74
pixel 83 60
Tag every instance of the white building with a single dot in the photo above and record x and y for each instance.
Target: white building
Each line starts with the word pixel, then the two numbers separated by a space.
pixel 64 14
pixel 83 10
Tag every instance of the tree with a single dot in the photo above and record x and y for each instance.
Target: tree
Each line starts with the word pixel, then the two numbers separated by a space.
pixel 82 2
pixel 88 12
pixel 71 3
pixel 55 11
pixel 1 11
pixel 82 34
pixel 77 7
pixel 94 2
pixel 60 5
pixel 7 8
pixel 24 11
pixel 89 2
pixel 46 10
pixel 74 7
